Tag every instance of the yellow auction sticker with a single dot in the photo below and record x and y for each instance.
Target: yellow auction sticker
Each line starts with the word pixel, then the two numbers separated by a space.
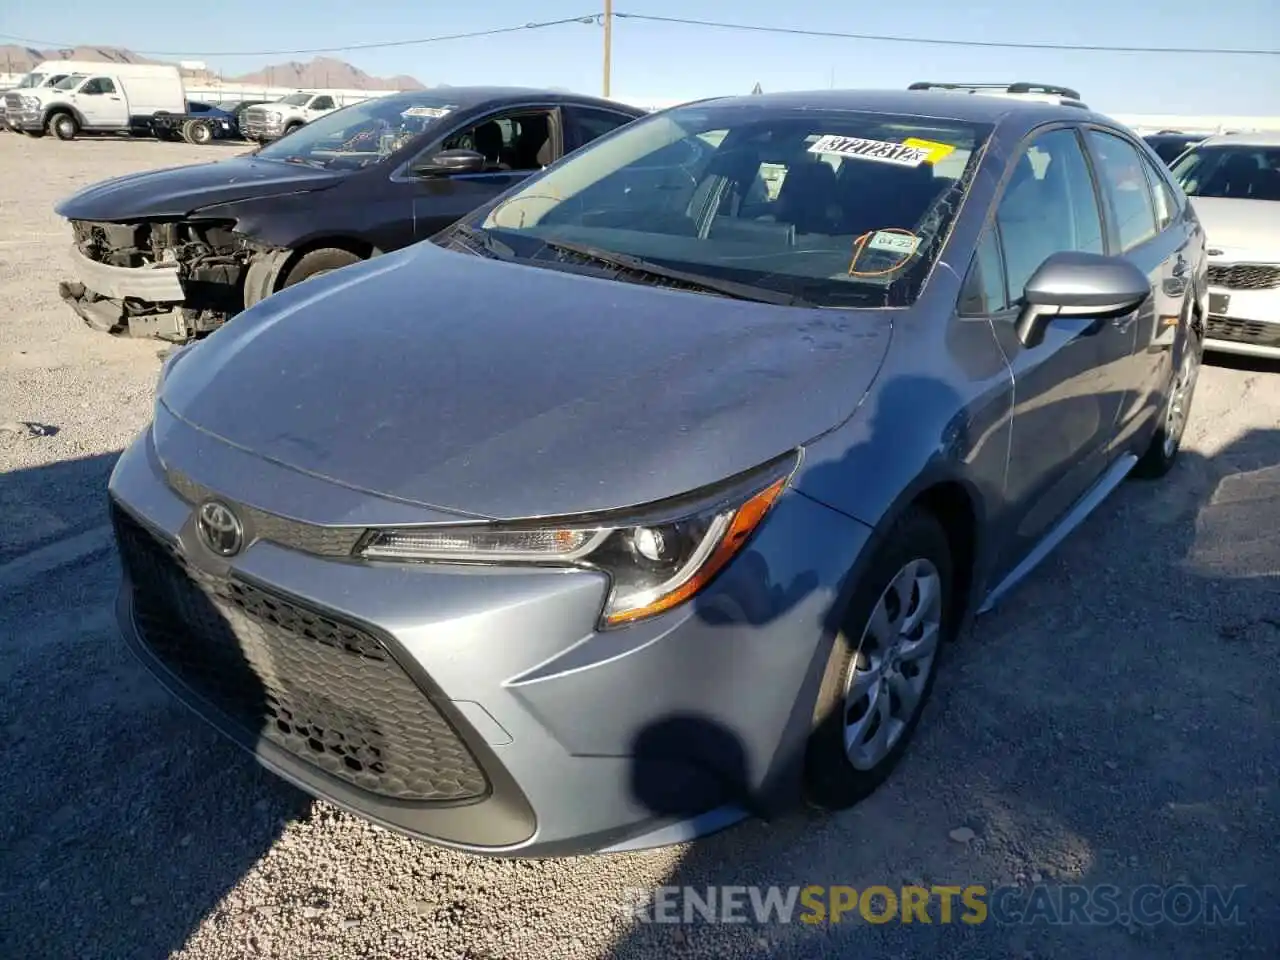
pixel 937 151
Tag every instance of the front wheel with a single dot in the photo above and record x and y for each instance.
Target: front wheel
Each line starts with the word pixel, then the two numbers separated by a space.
pixel 883 664
pixel 63 126
pixel 1161 455
pixel 317 263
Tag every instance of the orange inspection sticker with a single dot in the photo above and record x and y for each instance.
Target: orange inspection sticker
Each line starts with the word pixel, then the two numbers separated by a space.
pixel 937 151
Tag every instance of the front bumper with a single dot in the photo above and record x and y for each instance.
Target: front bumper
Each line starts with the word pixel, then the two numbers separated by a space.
pixel 580 741
pixel 1248 324
pixel 154 283
pixel 22 118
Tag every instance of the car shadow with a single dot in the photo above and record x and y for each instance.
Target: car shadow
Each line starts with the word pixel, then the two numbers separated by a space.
pixel 1234 361
pixel 124 822
pixel 1111 722
pixel 54 502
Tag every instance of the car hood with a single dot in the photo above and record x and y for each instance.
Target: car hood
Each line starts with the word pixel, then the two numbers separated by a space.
pixel 501 390
pixel 177 191
pixel 1240 227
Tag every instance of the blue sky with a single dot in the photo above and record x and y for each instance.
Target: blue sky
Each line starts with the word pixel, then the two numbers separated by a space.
pixel 663 61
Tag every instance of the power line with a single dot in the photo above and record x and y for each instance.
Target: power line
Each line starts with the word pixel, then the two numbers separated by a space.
pixel 934 41
pixel 589 19
pixel 597 19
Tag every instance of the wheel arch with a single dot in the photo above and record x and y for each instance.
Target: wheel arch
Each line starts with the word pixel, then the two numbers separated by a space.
pixel 353 245
pixel 54 109
pixel 957 503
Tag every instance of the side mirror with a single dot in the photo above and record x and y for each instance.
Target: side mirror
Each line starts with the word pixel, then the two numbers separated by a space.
pixel 449 162
pixel 1074 284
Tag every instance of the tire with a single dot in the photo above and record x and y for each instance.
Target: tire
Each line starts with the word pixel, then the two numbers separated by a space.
pixel 915 548
pixel 63 126
pixel 1162 453
pixel 197 132
pixel 290 128
pixel 317 262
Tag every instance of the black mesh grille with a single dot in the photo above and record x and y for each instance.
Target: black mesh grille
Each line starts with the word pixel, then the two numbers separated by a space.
pixel 1245 276
pixel 1243 331
pixel 326 691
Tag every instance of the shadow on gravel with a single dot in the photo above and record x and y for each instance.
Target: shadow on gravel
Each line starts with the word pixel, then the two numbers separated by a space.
pixel 124 821
pixel 1112 723
pixel 52 502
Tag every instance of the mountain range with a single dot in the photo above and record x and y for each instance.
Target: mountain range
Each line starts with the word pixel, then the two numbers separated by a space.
pixel 320 73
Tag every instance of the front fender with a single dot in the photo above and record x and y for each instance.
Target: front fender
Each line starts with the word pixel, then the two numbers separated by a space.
pixel 61 107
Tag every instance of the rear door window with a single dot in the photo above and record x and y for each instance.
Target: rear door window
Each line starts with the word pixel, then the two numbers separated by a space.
pixel 1120 169
pixel 586 124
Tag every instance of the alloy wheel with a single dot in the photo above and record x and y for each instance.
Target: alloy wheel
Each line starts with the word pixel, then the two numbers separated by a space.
pixel 1179 406
pixel 888 675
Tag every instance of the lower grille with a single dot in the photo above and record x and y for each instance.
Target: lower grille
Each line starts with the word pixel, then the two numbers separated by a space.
pixel 1243 331
pixel 326 691
pixel 1245 276
pixel 254 122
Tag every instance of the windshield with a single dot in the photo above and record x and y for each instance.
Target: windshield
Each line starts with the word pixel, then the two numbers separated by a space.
pixel 29 81
pixel 361 134
pixel 1230 170
pixel 835 208
pixel 71 81
pixel 297 99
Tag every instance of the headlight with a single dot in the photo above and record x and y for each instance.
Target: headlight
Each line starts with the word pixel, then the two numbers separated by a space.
pixel 656 558
pixel 30 103
pixel 275 117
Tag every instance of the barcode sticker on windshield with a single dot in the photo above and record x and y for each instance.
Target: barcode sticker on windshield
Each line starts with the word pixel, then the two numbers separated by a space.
pixel 881 151
pixel 902 243
pixel 433 112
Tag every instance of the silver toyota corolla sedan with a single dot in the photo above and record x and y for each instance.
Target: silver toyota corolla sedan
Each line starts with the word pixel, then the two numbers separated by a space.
pixel 642 499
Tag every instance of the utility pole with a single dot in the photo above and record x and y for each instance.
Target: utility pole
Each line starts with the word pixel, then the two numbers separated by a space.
pixel 608 43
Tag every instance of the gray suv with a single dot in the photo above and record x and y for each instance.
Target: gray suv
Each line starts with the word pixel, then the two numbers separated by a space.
pixel 646 497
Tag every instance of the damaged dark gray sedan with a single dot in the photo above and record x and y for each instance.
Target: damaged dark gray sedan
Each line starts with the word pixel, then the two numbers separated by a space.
pixel 175 253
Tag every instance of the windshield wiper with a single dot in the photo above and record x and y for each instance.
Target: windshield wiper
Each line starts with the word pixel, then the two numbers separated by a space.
pixel 729 288
pixel 306 161
pixel 495 248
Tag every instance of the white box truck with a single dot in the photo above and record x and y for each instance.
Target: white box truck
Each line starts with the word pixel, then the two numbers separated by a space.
pixel 95 98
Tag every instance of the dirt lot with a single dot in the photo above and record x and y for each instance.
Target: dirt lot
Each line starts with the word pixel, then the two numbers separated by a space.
pixel 1114 723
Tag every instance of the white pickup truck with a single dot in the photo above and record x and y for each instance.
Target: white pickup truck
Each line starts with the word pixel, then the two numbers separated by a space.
pixel 66 98
pixel 271 121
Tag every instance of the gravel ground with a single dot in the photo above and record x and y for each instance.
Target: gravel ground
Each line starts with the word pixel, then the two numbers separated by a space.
pixel 1113 723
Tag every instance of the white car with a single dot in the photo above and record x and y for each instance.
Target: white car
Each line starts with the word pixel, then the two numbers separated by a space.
pixel 1233 181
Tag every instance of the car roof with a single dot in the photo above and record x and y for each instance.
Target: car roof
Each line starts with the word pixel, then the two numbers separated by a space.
pixel 1258 138
pixel 465 98
pixel 936 104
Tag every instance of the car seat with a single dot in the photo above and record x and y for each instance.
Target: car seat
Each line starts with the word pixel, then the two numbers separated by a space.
pixel 489 142
pixel 808 198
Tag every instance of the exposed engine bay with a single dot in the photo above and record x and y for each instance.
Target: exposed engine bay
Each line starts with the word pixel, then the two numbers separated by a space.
pixel 211 264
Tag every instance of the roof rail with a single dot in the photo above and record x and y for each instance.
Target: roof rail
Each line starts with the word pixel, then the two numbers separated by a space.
pixel 1019 87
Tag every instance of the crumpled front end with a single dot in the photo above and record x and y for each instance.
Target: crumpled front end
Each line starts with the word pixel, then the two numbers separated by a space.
pixel 22 112
pixel 170 280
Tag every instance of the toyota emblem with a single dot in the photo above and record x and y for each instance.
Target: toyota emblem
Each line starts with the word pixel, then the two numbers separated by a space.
pixel 220 528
